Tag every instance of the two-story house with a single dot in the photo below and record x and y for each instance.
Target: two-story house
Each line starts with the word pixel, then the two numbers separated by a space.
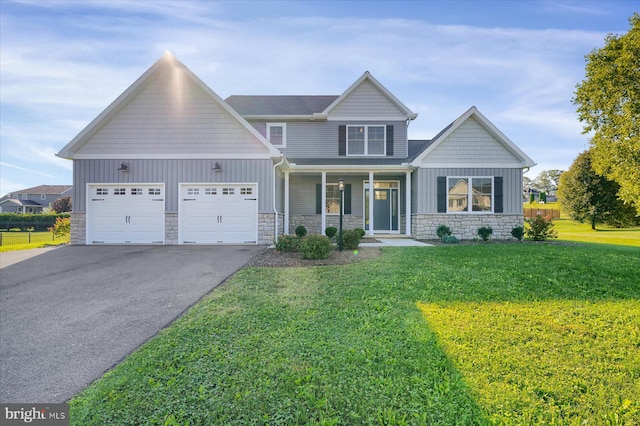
pixel 33 200
pixel 170 162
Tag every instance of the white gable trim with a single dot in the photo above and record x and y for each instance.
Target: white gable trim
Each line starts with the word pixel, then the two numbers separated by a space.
pixel 196 156
pixel 410 115
pixel 166 60
pixel 489 127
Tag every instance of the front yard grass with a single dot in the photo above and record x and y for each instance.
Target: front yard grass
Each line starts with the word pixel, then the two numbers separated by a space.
pixel 503 334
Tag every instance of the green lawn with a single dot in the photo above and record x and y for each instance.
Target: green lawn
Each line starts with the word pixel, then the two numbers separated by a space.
pixel 569 230
pixel 11 241
pixel 497 333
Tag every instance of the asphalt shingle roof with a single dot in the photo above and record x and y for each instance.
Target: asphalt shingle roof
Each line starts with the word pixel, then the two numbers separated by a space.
pixel 279 105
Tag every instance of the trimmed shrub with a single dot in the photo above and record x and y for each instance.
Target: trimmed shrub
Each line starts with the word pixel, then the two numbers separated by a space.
pixel 450 239
pixel 301 231
pixel 361 232
pixel 485 232
pixel 34 222
pixel 315 246
pixel 287 243
pixel 442 231
pixel 540 229
pixel 532 198
pixel 518 233
pixel 331 232
pixel 350 239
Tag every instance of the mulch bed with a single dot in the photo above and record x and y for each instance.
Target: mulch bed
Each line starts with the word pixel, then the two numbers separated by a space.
pixel 272 258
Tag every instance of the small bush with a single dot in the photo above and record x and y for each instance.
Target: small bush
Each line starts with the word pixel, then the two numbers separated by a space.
pixel 62 227
pixel 301 231
pixel 350 239
pixel 450 239
pixel 331 232
pixel 485 232
pixel 518 233
pixel 316 247
pixel 540 229
pixel 361 232
pixel 288 243
pixel 442 231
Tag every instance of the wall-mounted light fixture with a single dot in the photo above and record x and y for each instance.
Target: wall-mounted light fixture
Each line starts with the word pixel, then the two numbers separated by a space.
pixel 124 167
pixel 217 167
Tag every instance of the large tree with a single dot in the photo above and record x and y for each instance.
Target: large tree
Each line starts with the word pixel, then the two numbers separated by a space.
pixel 588 197
pixel 547 181
pixel 608 102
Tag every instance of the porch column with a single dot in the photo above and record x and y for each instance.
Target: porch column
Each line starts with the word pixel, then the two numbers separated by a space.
pixel 324 202
pixel 371 191
pixel 286 202
pixel 407 207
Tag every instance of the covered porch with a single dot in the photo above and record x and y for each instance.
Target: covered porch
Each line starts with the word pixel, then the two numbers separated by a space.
pixel 311 198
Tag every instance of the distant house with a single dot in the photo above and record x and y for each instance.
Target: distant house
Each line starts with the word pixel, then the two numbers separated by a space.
pixel 34 200
pixel 170 162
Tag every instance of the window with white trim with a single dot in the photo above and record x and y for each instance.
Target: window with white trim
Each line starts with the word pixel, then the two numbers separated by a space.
pixel 137 191
pixel 102 191
pixel 366 140
pixel 43 196
pixel 246 191
pixel 469 194
pixel 193 191
pixel 332 196
pixel 277 134
pixel 154 191
pixel 120 191
pixel 228 191
pixel 210 191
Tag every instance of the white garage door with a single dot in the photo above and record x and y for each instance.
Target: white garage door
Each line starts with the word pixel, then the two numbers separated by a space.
pixel 122 214
pixel 218 213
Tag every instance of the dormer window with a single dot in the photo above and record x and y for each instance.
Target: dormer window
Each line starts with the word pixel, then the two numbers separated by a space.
pixel 366 140
pixel 277 134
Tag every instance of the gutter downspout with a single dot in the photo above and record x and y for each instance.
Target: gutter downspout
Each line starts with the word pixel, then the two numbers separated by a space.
pixel 275 209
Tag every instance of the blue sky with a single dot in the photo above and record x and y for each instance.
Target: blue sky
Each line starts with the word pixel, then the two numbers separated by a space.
pixel 63 62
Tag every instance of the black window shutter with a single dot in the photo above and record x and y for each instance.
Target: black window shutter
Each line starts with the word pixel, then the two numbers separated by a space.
pixel 390 140
pixel 342 140
pixel 318 198
pixel 442 194
pixel 347 199
pixel 498 195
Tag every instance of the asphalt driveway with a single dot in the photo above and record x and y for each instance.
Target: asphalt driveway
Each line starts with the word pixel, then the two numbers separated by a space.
pixel 70 314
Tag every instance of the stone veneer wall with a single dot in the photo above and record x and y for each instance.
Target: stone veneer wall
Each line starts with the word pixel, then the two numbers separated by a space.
pixel 78 228
pixel 171 228
pixel 313 223
pixel 267 227
pixel 465 226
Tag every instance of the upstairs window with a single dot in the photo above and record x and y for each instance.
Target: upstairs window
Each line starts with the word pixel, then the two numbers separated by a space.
pixel 366 140
pixel 277 134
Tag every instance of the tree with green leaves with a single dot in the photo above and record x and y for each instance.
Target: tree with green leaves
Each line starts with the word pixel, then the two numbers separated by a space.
pixel 608 102
pixel 588 197
pixel 547 181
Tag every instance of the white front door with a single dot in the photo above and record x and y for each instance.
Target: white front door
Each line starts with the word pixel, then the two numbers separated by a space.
pixel 123 214
pixel 218 213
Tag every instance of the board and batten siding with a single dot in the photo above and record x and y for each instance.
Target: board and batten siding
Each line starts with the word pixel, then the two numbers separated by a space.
pixel 367 101
pixel 172 173
pixel 470 144
pixel 172 115
pixel 320 139
pixel 426 180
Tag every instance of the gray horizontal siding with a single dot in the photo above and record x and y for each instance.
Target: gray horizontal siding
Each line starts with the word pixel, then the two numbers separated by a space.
pixel 172 173
pixel 320 139
pixel 426 182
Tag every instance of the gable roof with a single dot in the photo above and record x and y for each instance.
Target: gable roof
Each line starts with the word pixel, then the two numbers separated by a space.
pixel 20 203
pixel 367 77
pixel 487 125
pixel 286 105
pixel 166 60
pixel 45 189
